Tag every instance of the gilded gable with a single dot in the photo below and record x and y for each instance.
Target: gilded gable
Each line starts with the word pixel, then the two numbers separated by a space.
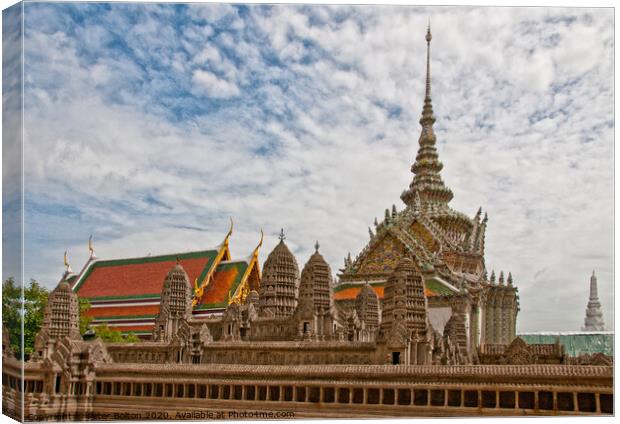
pixel 384 256
pixel 424 236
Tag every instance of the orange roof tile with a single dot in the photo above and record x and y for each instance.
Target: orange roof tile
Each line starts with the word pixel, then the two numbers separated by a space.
pixel 123 311
pixel 226 278
pixel 139 277
pixel 348 291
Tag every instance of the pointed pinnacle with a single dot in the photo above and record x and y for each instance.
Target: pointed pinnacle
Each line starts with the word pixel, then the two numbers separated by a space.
pixel 316 246
pixel 281 236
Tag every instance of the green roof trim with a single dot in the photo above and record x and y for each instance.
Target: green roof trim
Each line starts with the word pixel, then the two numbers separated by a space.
pixel 122 317
pixel 211 254
pixel 431 284
pixel 137 296
pixel 344 286
pixel 437 287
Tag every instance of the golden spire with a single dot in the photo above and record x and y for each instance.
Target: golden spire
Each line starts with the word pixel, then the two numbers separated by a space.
pixel 230 231
pixel 90 247
pixel 260 243
pixel 66 261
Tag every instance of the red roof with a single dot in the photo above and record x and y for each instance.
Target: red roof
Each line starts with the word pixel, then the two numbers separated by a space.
pixel 139 277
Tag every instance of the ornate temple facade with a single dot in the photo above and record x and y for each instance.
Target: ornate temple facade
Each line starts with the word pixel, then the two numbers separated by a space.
pixel 417 296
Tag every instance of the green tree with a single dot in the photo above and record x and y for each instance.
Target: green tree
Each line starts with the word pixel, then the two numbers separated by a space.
pixel 114 336
pixel 85 320
pixel 32 307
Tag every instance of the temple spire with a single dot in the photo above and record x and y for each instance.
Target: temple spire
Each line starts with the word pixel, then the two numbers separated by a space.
pixel 427 182
pixel 594 314
pixel 429 37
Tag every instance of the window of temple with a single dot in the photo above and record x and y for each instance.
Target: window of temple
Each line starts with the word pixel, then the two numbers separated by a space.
pixel 395 358
pixel 526 400
pixel 274 393
pixel 169 390
pixel 202 391
pixel 586 402
pixel 388 396
pixel 438 397
pixel 262 393
pixel 288 393
pixel 117 389
pixel 306 327
pixel 470 398
pixel 138 389
pixel 404 396
pixel 488 399
pixel 420 397
pixel 545 401
pixel 237 392
pixel 214 392
pixel 329 395
pixel 126 389
pixel 57 385
pixel 343 395
pixel 372 396
pixel 607 403
pixel 314 394
pixel 454 398
pixel 565 401
pixel 148 389
pixel 301 394
pixel 191 390
pixel 358 395
pixel 180 390
pixel 507 400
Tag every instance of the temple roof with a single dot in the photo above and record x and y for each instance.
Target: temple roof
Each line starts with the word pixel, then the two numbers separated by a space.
pixel 227 278
pixel 349 291
pixel 141 277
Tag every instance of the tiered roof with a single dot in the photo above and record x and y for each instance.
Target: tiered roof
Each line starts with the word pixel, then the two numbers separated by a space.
pixel 126 293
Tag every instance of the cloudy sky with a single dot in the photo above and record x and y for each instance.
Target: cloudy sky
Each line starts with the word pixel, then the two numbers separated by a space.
pixel 149 125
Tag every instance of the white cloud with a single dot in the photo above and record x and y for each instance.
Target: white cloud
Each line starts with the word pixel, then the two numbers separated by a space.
pixel 209 83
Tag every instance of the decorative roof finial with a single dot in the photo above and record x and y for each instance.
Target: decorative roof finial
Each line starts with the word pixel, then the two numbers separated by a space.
pixel 66 261
pixel 260 243
pixel 429 37
pixel 281 236
pixel 316 246
pixel 178 260
pixel 90 246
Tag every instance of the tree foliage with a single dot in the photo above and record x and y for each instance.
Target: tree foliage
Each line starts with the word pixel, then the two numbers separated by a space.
pixel 85 320
pixel 114 336
pixel 32 308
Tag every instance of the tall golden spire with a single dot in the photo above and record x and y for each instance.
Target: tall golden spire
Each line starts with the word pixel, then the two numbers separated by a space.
pixel 427 184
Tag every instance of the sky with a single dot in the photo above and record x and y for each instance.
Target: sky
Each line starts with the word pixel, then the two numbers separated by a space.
pixel 149 125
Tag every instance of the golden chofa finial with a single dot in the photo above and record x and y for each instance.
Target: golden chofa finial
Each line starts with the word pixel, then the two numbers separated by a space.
pixel 66 261
pixel 230 231
pixel 260 243
pixel 90 246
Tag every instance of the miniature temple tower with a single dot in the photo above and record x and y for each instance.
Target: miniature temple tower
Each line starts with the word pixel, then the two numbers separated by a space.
pixel 60 320
pixel 176 305
pixel 280 282
pixel 594 314
pixel 367 310
pixel 404 323
pixel 315 311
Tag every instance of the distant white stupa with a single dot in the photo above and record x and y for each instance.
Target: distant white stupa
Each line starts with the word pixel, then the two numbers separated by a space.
pixel 594 314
